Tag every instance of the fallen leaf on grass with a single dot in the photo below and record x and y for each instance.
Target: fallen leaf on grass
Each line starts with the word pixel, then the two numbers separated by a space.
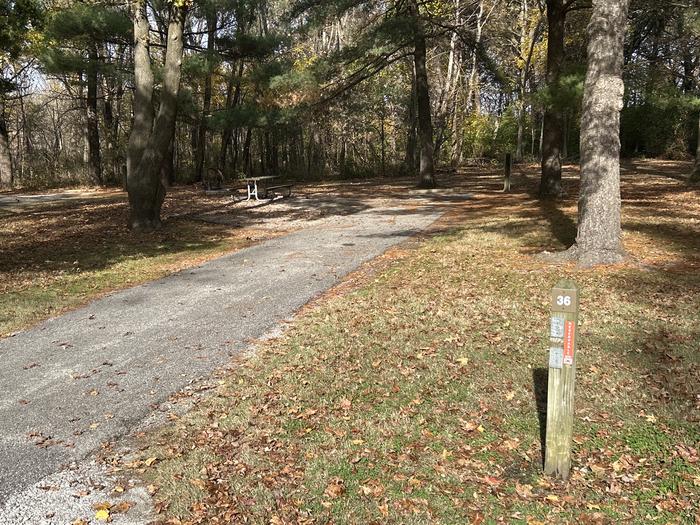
pixel 492 481
pixel 199 483
pixel 688 453
pixel 470 426
pixel 524 491
pixel 477 519
pixel 335 488
pixel 161 506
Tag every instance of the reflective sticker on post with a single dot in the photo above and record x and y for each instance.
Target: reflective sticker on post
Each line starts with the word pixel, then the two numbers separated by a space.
pixel 556 357
pixel 569 335
pixel 557 329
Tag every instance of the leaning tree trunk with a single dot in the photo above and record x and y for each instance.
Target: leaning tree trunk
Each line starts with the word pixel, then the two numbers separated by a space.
pixel 426 175
pixel 552 124
pixel 5 159
pixel 149 147
pixel 599 239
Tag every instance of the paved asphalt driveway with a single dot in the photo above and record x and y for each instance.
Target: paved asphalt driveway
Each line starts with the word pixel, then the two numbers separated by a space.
pixel 94 374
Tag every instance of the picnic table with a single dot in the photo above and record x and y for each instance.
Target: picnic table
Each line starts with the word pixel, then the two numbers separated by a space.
pixel 253 190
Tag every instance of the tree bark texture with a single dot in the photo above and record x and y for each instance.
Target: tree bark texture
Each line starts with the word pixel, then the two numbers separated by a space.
pixel 411 160
pixel 552 124
pixel 426 172
pixel 143 90
pixel 599 239
pixel 149 146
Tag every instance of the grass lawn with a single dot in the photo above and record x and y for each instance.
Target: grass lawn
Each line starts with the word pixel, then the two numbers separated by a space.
pixel 412 397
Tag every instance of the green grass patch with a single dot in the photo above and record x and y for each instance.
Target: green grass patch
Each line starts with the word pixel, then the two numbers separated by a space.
pixel 78 273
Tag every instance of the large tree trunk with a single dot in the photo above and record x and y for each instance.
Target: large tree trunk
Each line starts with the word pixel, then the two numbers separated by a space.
pixel 426 174
pixel 149 148
pixel 5 158
pixel 143 92
pixel 201 153
pixel 599 239
pixel 552 124
pixel 93 125
pixel 167 169
pixel 412 156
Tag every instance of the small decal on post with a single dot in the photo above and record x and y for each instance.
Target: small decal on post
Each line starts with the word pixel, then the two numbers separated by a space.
pixel 556 357
pixel 569 335
pixel 557 329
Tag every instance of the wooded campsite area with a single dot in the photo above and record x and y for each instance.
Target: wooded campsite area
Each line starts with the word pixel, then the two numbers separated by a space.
pixel 323 89
pixel 371 344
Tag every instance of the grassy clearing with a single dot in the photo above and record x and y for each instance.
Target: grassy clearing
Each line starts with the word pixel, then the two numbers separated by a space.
pixel 413 398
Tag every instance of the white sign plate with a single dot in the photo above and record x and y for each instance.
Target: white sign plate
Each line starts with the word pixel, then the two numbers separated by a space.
pixel 557 329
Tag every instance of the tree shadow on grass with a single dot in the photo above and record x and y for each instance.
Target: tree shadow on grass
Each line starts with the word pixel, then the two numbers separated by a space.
pixel 70 239
pixel 562 226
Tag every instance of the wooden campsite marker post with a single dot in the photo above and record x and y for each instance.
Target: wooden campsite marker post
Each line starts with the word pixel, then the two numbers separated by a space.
pixel 507 172
pixel 562 379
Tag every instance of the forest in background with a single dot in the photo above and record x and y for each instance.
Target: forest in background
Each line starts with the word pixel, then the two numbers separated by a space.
pixel 317 90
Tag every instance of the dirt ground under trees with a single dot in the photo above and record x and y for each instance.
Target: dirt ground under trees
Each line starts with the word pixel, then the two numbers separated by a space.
pixel 61 250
